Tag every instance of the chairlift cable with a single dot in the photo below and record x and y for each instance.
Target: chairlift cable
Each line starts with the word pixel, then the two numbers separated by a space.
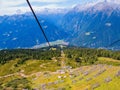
pixel 43 30
pixel 113 43
pixel 38 22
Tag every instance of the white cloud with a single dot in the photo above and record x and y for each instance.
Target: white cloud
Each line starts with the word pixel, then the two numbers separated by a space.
pixel 48 1
pixel 10 6
pixel 10 10
pixel 10 3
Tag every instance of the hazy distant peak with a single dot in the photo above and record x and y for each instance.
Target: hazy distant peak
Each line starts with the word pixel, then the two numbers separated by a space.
pixel 97 6
pixel 106 5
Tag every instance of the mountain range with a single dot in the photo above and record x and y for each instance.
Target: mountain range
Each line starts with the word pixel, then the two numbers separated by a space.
pixel 22 31
pixel 93 26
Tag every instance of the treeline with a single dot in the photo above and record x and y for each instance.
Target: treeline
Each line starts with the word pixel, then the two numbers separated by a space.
pixel 90 55
pixel 26 54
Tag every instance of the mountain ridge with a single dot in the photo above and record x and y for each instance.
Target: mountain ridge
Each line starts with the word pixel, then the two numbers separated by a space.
pixel 92 29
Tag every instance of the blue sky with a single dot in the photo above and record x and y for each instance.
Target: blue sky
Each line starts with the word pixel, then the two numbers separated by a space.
pixel 10 6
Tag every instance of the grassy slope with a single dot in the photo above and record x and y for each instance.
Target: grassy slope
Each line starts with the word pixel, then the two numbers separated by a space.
pixel 83 84
pixel 29 67
pixel 33 66
pixel 109 61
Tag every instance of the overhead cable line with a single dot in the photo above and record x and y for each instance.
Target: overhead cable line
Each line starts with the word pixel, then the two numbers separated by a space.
pixel 43 30
pixel 38 22
pixel 113 43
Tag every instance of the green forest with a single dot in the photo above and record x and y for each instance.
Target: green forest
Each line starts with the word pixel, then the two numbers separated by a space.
pixel 74 53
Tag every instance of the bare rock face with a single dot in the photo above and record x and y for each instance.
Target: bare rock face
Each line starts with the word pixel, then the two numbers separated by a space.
pixel 108 79
pixel 95 86
pixel 43 86
pixel 100 72
pixel 118 73
pixel 88 79
pixel 85 73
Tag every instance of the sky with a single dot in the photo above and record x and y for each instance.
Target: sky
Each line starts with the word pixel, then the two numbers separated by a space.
pixel 20 6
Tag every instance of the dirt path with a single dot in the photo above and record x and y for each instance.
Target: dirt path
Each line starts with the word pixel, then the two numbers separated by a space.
pixel 9 75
